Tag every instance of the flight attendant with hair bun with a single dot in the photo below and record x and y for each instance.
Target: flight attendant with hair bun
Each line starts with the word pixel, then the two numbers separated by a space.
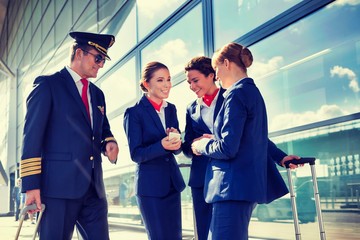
pixel 239 171
pixel 158 181
pixel 200 117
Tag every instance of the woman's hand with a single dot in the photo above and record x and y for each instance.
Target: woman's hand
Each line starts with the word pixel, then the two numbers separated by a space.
pixel 171 144
pixel 290 157
pixel 174 130
pixel 196 142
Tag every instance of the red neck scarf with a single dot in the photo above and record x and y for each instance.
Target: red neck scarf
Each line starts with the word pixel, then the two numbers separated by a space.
pixel 209 98
pixel 155 105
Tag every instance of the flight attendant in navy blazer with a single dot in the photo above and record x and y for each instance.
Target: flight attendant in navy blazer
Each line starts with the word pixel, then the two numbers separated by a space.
pixel 236 177
pixel 158 181
pixel 200 116
pixel 65 132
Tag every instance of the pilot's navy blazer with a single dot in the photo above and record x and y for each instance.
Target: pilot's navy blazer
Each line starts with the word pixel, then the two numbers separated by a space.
pixel 239 153
pixel 156 167
pixel 61 150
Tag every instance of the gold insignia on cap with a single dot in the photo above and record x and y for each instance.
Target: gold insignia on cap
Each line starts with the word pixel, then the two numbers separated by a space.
pixel 97 46
pixel 112 41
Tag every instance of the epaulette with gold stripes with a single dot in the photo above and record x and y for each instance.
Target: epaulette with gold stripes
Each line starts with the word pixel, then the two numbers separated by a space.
pixel 30 166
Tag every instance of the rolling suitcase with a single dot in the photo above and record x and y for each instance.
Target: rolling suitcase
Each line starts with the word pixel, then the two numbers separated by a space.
pixel 311 162
pixel 22 217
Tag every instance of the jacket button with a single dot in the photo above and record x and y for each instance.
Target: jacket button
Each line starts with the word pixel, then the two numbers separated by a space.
pixel 93 138
pixel 91 158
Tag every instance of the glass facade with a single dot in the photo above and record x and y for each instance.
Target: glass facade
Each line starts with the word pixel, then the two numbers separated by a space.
pixel 236 18
pixel 4 120
pixel 306 65
pixel 307 77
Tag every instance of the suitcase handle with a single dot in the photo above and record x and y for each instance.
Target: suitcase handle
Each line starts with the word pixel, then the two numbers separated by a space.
pixel 303 160
pixel 31 207
pixel 23 213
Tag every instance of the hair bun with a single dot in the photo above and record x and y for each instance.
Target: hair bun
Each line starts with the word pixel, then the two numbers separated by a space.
pixel 246 57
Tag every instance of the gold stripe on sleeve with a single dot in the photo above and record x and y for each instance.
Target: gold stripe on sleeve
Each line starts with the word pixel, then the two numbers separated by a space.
pixel 30 173
pixel 30 166
pixel 28 160
pixel 110 139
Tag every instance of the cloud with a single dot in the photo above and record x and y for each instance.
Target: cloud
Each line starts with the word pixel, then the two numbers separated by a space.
pixel 290 120
pixel 342 72
pixel 340 3
pixel 259 69
pixel 150 9
pixel 169 54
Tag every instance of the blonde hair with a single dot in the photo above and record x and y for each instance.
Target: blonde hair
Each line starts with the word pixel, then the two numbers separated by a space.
pixel 236 53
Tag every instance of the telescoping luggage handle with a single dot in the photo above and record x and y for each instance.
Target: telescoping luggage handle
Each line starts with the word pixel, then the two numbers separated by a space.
pixel 22 217
pixel 311 162
pixel 303 160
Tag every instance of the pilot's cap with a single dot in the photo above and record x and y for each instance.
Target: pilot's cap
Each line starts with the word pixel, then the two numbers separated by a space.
pixel 100 42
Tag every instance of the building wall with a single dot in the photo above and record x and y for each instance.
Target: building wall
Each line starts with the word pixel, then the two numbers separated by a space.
pixel 306 63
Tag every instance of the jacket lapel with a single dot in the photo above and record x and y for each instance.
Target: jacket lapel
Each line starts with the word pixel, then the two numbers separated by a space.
pixel 95 102
pixel 70 84
pixel 168 117
pixel 152 112
pixel 197 117
pixel 219 103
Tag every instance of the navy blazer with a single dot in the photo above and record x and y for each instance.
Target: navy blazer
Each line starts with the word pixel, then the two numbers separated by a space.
pixel 58 134
pixel 276 186
pixel 156 167
pixel 195 127
pixel 239 153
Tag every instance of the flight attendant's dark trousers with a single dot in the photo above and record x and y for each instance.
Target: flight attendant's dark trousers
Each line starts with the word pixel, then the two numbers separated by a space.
pixel 203 212
pixel 230 220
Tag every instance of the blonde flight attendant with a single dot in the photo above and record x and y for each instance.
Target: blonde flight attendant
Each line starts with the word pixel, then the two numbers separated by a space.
pixel 200 118
pixel 237 173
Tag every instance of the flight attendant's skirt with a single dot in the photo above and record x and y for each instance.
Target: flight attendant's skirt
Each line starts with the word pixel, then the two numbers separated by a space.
pixel 162 216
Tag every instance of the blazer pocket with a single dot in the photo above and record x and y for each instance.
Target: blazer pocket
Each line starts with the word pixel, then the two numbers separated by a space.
pixel 58 156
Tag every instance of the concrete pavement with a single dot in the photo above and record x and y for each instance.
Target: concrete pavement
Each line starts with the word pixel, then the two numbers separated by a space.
pixel 125 224
pixel 8 228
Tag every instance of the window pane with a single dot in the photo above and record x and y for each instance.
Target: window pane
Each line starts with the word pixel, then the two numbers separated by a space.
pixel 115 175
pixel 123 27
pixel 106 10
pixel 63 23
pixel 178 44
pixel 124 159
pixel 120 87
pixel 152 13
pixel 4 120
pixel 308 72
pixel 234 18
